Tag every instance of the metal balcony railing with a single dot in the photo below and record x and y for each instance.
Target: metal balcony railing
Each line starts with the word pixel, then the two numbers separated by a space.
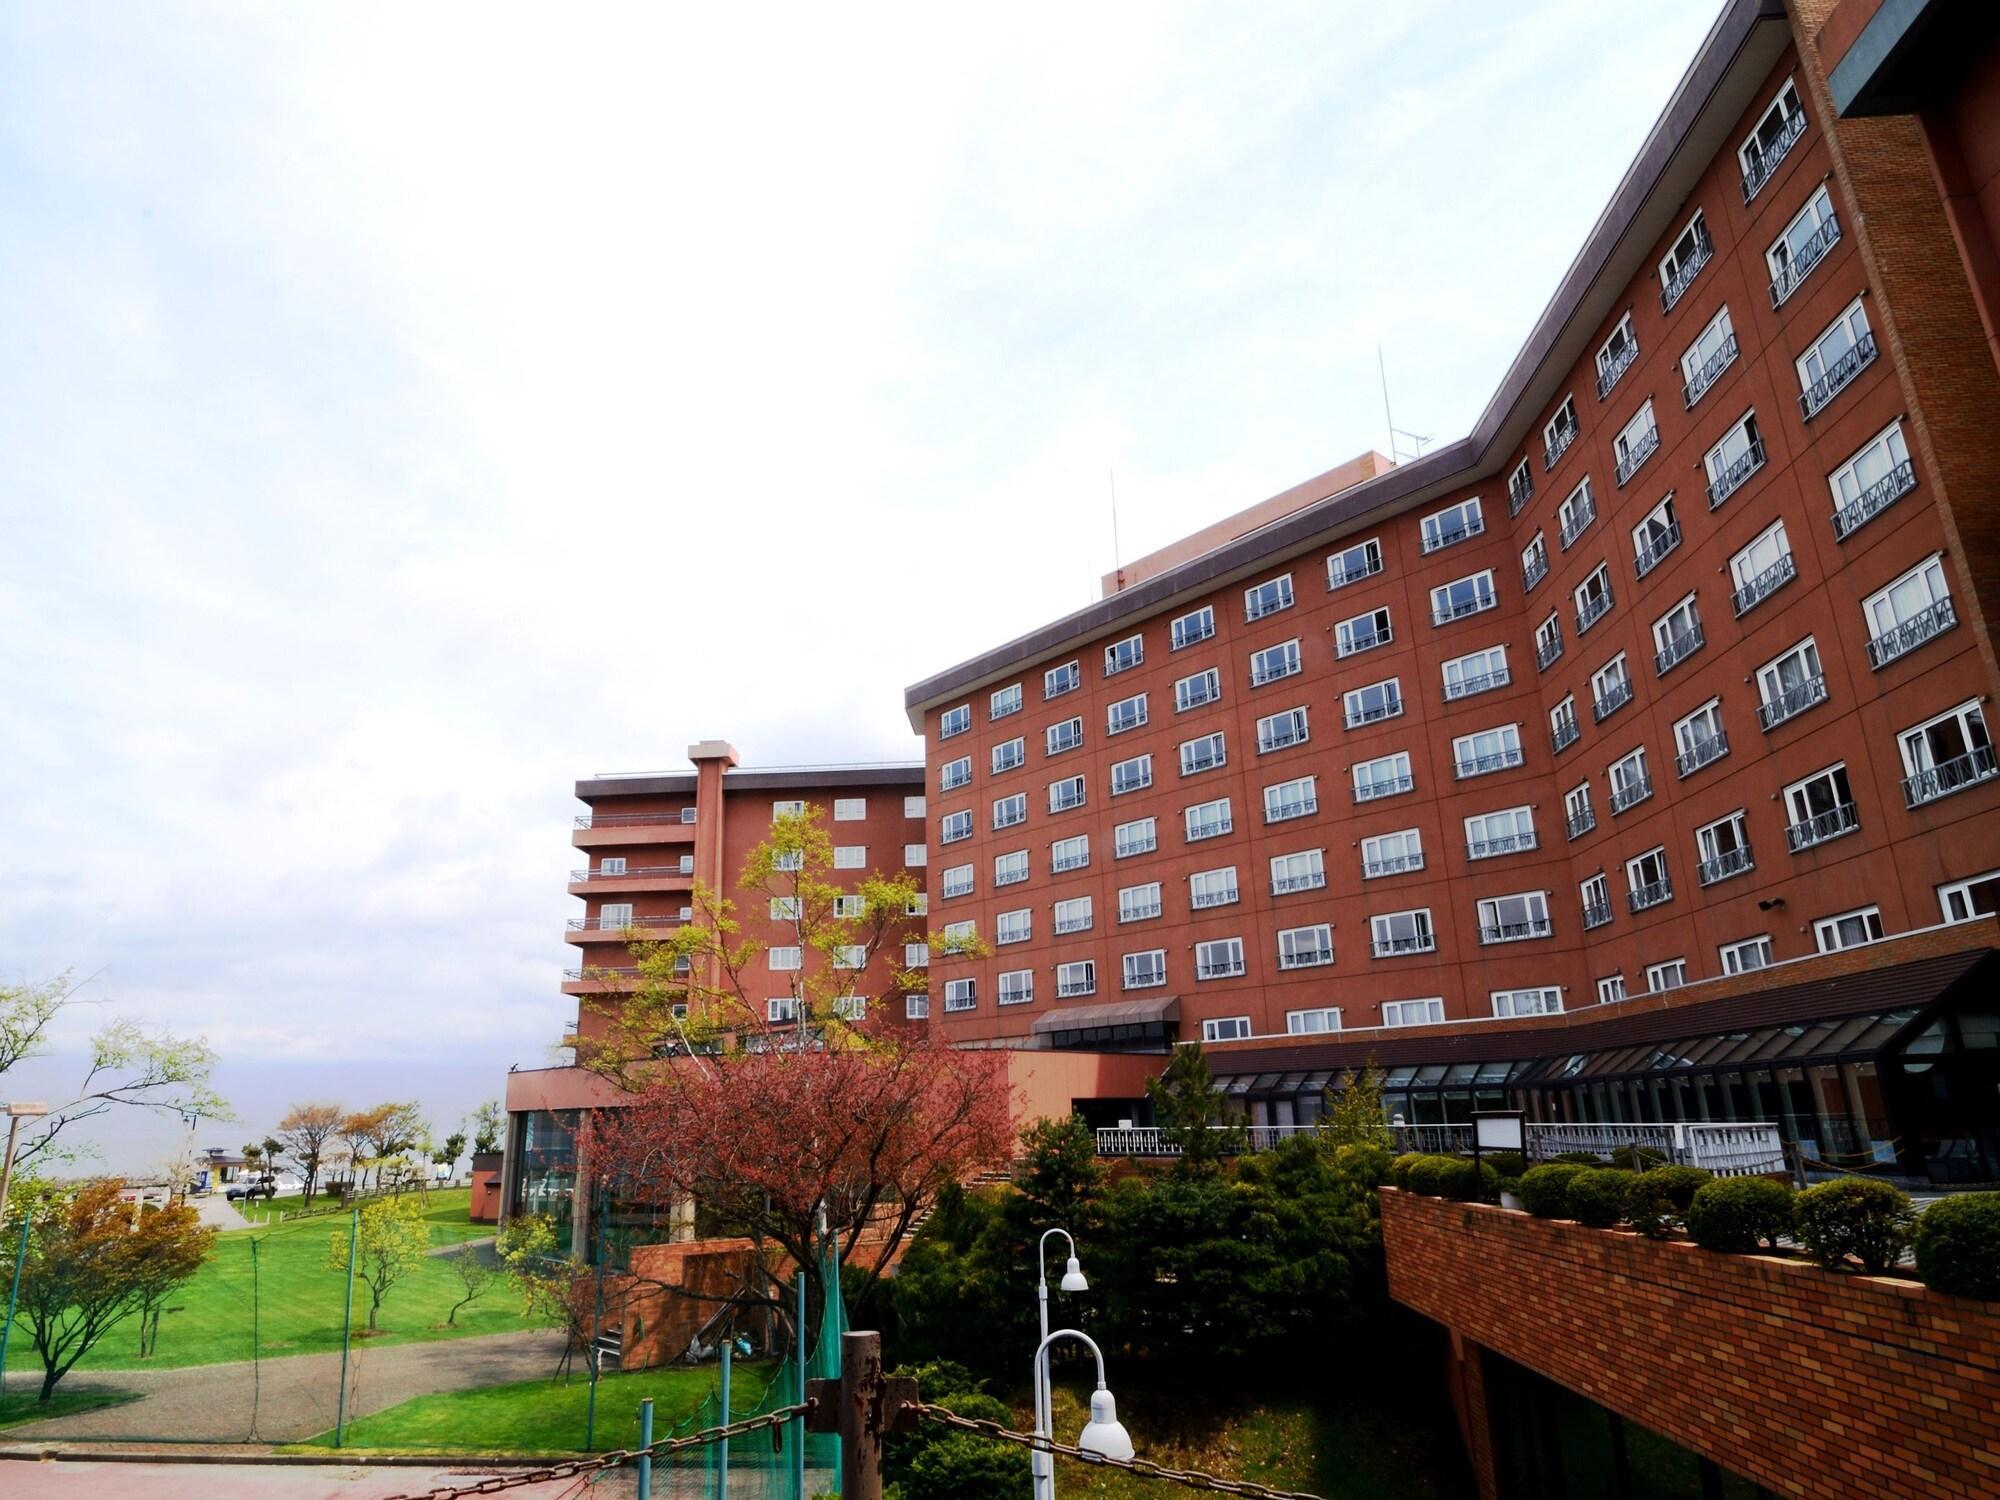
pixel 1534 570
pixel 1280 739
pixel 622 971
pixel 1596 914
pixel 1286 885
pixel 1480 765
pixel 1400 864
pixel 1678 649
pixel 1483 682
pixel 1615 697
pixel 1701 753
pixel 1656 547
pixel 1593 609
pixel 1073 924
pixel 1699 384
pixel 1219 968
pixel 1556 445
pixel 1139 913
pixel 1616 367
pixel 1341 577
pixel 1733 478
pixel 1069 989
pixel 1902 639
pixel 1765 584
pixel 1578 522
pixel 1631 794
pixel 1872 501
pixel 1259 675
pixel 1808 255
pixel 1444 614
pixel 1375 713
pixel 598 924
pixel 1212 830
pixel 1949 776
pixel 635 872
pixel 1765 162
pixel 1297 807
pixel 1814 398
pixel 1655 894
pixel 1396 947
pixel 1793 701
pixel 1582 821
pixel 1063 862
pixel 1136 846
pixel 1388 786
pixel 1145 979
pixel 1515 932
pixel 1512 843
pixel 1636 455
pixel 1471 527
pixel 634 820
pixel 1519 493
pixel 1735 862
pixel 1683 278
pixel 1566 733
pixel 1358 643
pixel 1306 958
pixel 1547 651
pixel 1823 827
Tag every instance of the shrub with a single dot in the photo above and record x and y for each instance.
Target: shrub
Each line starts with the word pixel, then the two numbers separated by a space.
pixel 1545 1189
pixel 1507 1163
pixel 1656 1200
pixel 1597 1196
pixel 1958 1246
pixel 1399 1169
pixel 1456 1179
pixel 1426 1175
pixel 1629 1157
pixel 1858 1216
pixel 1510 1185
pixel 1577 1158
pixel 1737 1214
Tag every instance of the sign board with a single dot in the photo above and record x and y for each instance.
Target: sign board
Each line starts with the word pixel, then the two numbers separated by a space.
pixel 1500 1130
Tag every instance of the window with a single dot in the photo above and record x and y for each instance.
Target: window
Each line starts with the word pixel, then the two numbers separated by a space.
pixel 1203 753
pixel 1065 794
pixel 1373 703
pixel 1595 896
pixel 781 1010
pixel 1630 785
pixel 785 959
pixel 1915 608
pixel 918 905
pixel 1273 662
pixel 1593 598
pixel 1078 977
pixel 1511 919
pixel 1304 871
pixel 1145 970
pixel 1207 820
pixel 1868 483
pixel 1731 462
pixel 1126 713
pixel 1546 1001
pixel 1490 834
pixel 959 932
pixel 1963 900
pixel 1559 432
pixel 1208 888
pixel 1637 441
pixel 1297 798
pixel 1699 738
pixel 1778 128
pixel 1013 926
pixel 1761 568
pixel 1534 561
pixel 1486 751
pixel 1712 352
pixel 849 908
pixel 1355 563
pixel 1073 915
pixel 1656 536
pixel 954 826
pixel 1520 487
pixel 955 773
pixel 1070 853
pixel 1676 635
pixel 1802 246
pixel 1398 932
pixel 611 864
pixel 850 809
pixel 1131 775
pixel 952 721
pixel 1225 1029
pixel 1615 355
pixel 1267 598
pixel 1384 776
pixel 956 881
pixel 1790 684
pixel 1066 735
pixel 1683 261
pixel 850 955
pixel 1066 678
pixel 1946 754
pixel 916 955
pixel 1610 988
pixel 1010 868
pixel 1122 656
pixel 1851 929
pixel 1578 510
pixel 1312 1022
pixel 1646 880
pixel 1577 811
pixel 1305 947
pixel 1140 836
pixel 1746 956
pixel 1475 672
pixel 917 1006
pixel 913 807
pixel 1453 524
pixel 1280 730
pixel 1196 625
pixel 1840 353
pixel 1821 808
pixel 1548 641
pixel 1015 987
pixel 1412 1012
pixel 1004 701
pixel 1462 597
pixel 1218 958
pixel 1564 730
pixel 1670 975
pixel 1362 633
pixel 1139 903
pixel 1009 753
pixel 1395 853
pixel 960 994
pixel 792 808
pixel 1010 810
pixel 1192 692
pixel 616 916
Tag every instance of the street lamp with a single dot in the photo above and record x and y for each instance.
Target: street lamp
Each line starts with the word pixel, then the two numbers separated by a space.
pixel 17 1112
pixel 1103 1434
pixel 1072 1282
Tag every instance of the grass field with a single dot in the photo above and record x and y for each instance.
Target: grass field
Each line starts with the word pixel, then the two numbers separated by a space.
pixel 22 1406
pixel 297 1303
pixel 542 1416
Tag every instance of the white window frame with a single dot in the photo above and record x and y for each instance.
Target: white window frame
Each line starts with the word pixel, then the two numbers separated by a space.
pixel 1826 930
pixel 1145 970
pixel 1289 663
pixel 1445 608
pixel 1203 752
pixel 1219 958
pixel 1309 947
pixel 1311 876
pixel 1226 1029
pixel 1009 754
pixel 1337 574
pixel 1072 914
pixel 1124 847
pixel 1190 629
pixel 1208 889
pixel 954 774
pixel 1139 903
pixel 1009 811
pixel 1399 851
pixel 1262 600
pixel 1002 702
pixel 1354 707
pixel 961 994
pixel 1296 720
pixel 1436 535
pixel 1313 1021
pixel 1058 681
pixel 1072 853
pixel 1216 826
pixel 1532 1000
pixel 1076 977
pixel 1123 656
pixel 953 721
pixel 1067 795
pixel 1732 955
pixel 1014 987
pixel 1955 897
pixel 1134 714
pixel 1011 868
pixel 1134 774
pixel 1372 787
pixel 1425 1012
pixel 1016 926
pixel 955 880
pixel 1210 680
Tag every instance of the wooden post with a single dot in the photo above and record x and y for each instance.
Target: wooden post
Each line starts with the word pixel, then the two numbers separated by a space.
pixel 862 1407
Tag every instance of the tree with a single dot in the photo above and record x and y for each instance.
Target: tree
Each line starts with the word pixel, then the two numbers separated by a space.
pixel 130 1065
pixel 389 1242
pixel 1354 1115
pixel 487 1122
pixel 305 1134
pixel 475 1273
pixel 253 1159
pixel 93 1261
pixel 1193 1112
pixel 374 1136
pixel 1059 1178
pixel 452 1149
pixel 555 1288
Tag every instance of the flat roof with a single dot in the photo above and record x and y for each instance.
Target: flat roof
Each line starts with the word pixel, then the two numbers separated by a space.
pixel 755 779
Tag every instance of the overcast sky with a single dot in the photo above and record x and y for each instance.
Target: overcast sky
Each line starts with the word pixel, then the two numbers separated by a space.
pixel 406 410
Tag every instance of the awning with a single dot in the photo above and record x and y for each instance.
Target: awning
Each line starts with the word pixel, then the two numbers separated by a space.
pixel 1116 1013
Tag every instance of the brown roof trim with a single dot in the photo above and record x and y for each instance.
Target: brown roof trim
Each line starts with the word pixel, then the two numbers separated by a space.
pixel 1602 267
pixel 776 779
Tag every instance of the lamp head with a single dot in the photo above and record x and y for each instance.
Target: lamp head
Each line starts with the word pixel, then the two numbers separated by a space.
pixel 1073 1277
pixel 1104 1433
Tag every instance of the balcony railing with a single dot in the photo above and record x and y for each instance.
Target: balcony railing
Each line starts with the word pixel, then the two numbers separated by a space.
pixel 1764 585
pixel 1444 614
pixel 1484 682
pixel 1480 765
pixel 1340 578
pixel 1735 862
pixel 1139 913
pixel 636 872
pixel 1286 885
pixel 1260 674
pixel 1636 454
pixel 1793 701
pixel 1808 255
pixel 1306 958
pixel 1631 794
pixel 1566 733
pixel 1063 862
pixel 1683 278
pixel 1518 494
pixel 1471 527
pixel 1596 914
pixel 1701 753
pixel 1556 445
pixel 1618 365
pixel 1656 547
pixel 1396 947
pixel 1218 968
pixel 1823 827
pixel 1657 893
pixel 1615 697
pixel 1375 713
pixel 1357 643
pixel 1136 846
pixel 1400 864
pixel 1297 807
pixel 1582 821
pixel 1733 478
pixel 634 820
pixel 1765 162
pixel 1069 989
pixel 1579 521
pixel 1515 932
pixel 1511 843
pixel 1593 609
pixel 1534 570
pixel 595 971
pixel 1698 384
pixel 1902 639
pixel 1387 786
pixel 1950 776
pixel 1678 649
pixel 1872 501
pixel 1072 924
pixel 1547 651
pixel 1813 400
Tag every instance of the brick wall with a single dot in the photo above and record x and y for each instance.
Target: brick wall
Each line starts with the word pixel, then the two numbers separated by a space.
pixel 1809 1383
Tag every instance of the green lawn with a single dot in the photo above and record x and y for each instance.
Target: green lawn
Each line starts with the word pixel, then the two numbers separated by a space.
pixel 543 1416
pixel 23 1407
pixel 298 1302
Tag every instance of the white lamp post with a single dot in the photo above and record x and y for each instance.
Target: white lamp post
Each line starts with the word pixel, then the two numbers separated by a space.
pixel 22 1110
pixel 1072 1281
pixel 1103 1434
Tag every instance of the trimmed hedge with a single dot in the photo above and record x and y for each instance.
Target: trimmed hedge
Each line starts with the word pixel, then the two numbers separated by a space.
pixel 1958 1246
pixel 1655 1201
pixel 1738 1214
pixel 1399 1169
pixel 1597 1196
pixel 1456 1180
pixel 1545 1189
pixel 1854 1216
pixel 1426 1175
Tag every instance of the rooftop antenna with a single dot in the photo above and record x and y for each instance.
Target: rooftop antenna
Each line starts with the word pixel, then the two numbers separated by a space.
pixel 1397 453
pixel 1117 556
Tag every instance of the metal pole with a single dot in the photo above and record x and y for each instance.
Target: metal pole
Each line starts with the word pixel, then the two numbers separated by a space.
pixel 860 1428
pixel 7 1166
pixel 1042 1465
pixel 596 1334
pixel 799 1394
pixel 646 1449
pixel 346 1326
pixel 722 1448
pixel 13 1300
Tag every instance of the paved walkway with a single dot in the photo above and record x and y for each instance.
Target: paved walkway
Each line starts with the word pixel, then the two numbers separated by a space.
pixel 74 1480
pixel 293 1398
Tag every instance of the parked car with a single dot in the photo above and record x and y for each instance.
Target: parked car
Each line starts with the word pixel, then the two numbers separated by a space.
pixel 251 1188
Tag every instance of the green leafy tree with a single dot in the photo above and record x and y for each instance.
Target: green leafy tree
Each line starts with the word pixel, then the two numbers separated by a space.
pixel 307 1134
pixel 1354 1115
pixel 487 1122
pixel 1059 1178
pixel 476 1273
pixel 452 1149
pixel 389 1243
pixel 1193 1114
